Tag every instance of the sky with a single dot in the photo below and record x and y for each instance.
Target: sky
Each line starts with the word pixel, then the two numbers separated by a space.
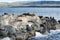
pixel 25 0
pixel 16 0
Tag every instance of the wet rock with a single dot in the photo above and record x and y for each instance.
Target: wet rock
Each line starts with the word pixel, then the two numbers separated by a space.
pixel 42 28
pixel 3 33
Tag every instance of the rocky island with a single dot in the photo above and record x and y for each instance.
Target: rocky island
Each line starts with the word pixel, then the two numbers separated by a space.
pixel 24 26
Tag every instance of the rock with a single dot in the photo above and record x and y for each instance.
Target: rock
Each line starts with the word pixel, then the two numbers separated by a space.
pixel 3 33
pixel 58 21
pixel 42 28
pixel 24 26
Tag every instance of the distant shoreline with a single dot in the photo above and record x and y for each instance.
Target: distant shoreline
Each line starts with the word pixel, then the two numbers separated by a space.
pixel 36 6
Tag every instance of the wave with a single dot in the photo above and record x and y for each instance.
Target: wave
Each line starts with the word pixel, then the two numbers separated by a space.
pixel 53 35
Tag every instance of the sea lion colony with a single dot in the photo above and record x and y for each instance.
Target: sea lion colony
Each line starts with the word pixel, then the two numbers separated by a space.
pixel 24 26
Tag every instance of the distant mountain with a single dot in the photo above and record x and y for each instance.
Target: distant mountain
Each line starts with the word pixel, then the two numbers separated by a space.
pixel 43 2
pixel 30 4
pixel 39 4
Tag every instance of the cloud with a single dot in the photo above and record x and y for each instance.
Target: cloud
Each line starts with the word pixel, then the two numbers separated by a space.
pixel 16 0
pixel 25 0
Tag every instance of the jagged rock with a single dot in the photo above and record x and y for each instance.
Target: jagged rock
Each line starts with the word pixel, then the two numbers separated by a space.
pixel 16 25
pixel 58 21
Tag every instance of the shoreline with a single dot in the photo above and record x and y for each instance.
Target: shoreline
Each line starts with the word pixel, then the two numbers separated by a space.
pixel 35 7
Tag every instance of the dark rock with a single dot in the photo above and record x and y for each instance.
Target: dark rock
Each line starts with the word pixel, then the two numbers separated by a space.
pixel 27 14
pixel 58 21
pixel 40 16
pixel 29 29
pixel 42 28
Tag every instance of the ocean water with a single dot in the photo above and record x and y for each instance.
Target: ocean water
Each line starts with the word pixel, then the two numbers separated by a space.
pixel 53 35
pixel 53 12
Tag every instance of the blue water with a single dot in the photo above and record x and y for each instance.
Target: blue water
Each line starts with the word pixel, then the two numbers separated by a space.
pixel 53 35
pixel 54 12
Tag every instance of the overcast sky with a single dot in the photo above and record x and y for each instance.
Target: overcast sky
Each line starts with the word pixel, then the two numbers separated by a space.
pixel 25 0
